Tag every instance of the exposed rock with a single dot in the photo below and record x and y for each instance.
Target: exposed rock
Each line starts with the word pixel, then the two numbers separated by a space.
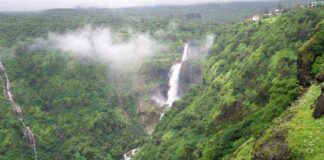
pixel 319 107
pixel 319 78
pixel 17 110
pixel 150 119
pixel 163 88
pixel 273 148
pixel 158 73
pixel 159 95
pixel 232 113
pixel 29 136
pixel 189 74
pixel 307 55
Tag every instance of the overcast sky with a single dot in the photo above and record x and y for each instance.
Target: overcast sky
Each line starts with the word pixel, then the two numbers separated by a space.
pixel 28 5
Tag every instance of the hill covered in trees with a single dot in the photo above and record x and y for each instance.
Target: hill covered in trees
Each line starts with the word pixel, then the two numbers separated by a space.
pixel 257 98
pixel 250 92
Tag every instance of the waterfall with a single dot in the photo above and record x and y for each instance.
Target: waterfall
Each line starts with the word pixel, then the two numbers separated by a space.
pixel 28 134
pixel 129 155
pixel 161 116
pixel 173 92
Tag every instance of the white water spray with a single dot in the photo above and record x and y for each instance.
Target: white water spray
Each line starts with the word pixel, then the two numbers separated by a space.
pixel 28 134
pixel 173 92
pixel 161 116
pixel 129 155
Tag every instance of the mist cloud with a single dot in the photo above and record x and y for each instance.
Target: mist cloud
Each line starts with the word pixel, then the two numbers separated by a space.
pixel 102 44
pixel 27 5
pixel 201 50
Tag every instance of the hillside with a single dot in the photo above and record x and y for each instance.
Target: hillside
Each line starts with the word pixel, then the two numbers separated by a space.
pixel 256 73
pixel 94 83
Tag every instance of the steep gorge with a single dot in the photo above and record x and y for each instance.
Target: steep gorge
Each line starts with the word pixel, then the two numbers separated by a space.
pixel 249 80
pixel 251 97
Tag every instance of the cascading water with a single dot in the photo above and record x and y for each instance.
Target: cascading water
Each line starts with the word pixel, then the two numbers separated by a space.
pixel 28 134
pixel 130 154
pixel 162 115
pixel 173 92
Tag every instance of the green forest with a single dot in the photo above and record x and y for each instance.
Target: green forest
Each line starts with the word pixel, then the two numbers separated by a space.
pixel 249 90
pixel 257 98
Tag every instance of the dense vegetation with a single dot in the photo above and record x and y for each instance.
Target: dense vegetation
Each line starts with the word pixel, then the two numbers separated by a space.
pixel 79 109
pixel 71 107
pixel 249 80
pixel 75 107
pixel 194 20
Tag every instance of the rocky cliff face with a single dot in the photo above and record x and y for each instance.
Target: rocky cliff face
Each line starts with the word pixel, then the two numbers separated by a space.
pixel 319 107
pixel 190 74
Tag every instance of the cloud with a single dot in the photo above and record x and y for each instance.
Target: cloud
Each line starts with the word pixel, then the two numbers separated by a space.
pixel 27 5
pixel 202 48
pixel 102 44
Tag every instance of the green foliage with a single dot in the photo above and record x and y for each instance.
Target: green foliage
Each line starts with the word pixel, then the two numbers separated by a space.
pixel 245 151
pixel 17 27
pixel 249 80
pixel 305 138
pixel 318 66
pixel 70 105
pixel 74 105
pixel 295 134
pixel 284 55
pixel 12 144
pixel 308 54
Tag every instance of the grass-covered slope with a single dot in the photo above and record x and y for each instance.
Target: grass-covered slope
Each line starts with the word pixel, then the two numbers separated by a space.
pixel 294 135
pixel 249 80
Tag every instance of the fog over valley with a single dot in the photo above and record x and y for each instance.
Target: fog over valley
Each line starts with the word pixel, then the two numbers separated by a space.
pixel 162 79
